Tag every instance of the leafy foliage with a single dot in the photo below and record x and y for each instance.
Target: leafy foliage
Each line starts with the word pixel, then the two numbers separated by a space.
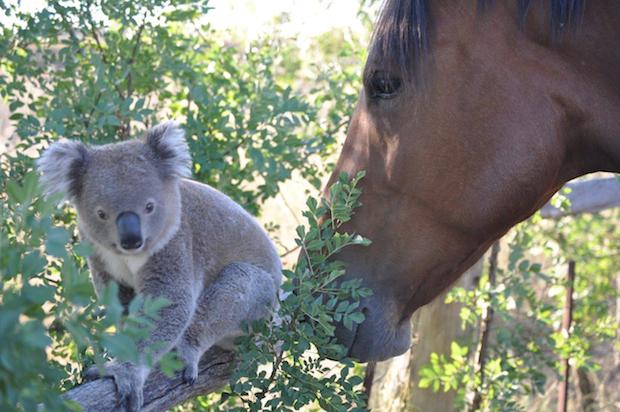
pixel 104 71
pixel 282 365
pixel 527 299
pixel 50 326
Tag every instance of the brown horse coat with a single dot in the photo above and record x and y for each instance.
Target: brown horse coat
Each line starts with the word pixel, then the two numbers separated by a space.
pixel 469 121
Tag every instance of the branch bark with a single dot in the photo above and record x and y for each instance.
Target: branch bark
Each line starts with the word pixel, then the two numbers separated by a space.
pixel 160 392
pixel 587 196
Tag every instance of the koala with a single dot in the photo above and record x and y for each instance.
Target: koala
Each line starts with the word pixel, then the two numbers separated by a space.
pixel 159 234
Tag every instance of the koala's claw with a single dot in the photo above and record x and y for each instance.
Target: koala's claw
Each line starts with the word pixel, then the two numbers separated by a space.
pixel 128 394
pixel 92 374
pixel 129 389
pixel 127 381
pixel 190 374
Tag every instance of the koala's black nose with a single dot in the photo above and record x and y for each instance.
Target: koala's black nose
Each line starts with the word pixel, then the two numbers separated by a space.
pixel 129 231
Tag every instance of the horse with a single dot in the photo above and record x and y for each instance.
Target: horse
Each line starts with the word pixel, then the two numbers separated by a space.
pixel 472 115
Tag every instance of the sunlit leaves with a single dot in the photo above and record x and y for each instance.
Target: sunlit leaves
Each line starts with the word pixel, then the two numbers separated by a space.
pixel 103 74
pixel 528 300
pixel 282 365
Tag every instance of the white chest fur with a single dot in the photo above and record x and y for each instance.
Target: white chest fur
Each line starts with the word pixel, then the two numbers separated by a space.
pixel 123 268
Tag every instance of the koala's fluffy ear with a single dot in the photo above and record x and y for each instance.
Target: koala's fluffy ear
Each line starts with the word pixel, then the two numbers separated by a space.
pixel 62 167
pixel 167 141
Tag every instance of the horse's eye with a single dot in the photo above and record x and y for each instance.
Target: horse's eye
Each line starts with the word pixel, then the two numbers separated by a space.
pixel 383 86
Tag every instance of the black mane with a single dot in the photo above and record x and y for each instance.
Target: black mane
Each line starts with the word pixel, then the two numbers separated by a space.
pixel 401 35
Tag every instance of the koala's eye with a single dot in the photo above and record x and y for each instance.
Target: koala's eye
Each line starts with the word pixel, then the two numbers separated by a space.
pixel 149 207
pixel 102 215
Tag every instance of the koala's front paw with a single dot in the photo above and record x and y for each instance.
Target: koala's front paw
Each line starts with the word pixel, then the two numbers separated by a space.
pixel 190 357
pixel 92 373
pixel 129 382
pixel 190 374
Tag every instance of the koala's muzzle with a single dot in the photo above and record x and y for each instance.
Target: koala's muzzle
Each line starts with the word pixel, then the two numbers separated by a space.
pixel 129 231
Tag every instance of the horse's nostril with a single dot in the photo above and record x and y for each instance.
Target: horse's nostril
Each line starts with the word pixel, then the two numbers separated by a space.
pixel 365 311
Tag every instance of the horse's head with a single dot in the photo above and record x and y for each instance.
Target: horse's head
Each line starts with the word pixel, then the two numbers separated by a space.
pixel 460 141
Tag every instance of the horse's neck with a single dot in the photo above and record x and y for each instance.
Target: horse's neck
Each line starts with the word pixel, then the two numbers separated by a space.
pixel 591 91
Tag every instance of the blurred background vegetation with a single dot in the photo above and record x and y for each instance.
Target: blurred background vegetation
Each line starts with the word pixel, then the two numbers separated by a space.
pixel 265 91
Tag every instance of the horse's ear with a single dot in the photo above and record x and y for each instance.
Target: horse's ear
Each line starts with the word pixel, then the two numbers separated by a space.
pixel 62 167
pixel 167 141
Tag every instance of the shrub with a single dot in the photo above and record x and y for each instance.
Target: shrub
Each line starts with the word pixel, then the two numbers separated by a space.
pixel 283 366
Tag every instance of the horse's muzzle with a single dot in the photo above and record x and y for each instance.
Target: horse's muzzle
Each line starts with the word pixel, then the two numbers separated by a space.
pixel 381 335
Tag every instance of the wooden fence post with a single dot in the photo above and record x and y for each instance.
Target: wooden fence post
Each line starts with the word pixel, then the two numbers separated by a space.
pixel 485 332
pixel 567 319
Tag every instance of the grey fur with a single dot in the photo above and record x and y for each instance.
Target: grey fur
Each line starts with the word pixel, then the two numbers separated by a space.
pixel 61 165
pixel 201 250
pixel 168 141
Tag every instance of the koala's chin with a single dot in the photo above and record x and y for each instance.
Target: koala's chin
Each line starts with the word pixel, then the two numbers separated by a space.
pixel 158 234
pixel 141 250
pixel 131 252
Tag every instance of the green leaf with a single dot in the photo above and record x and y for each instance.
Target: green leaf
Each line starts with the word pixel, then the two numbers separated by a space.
pixel 37 294
pixel 357 317
pixel 57 238
pixel 120 346
pixel 32 264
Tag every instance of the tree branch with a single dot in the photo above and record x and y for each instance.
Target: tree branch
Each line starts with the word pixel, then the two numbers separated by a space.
pixel 132 57
pixel 69 27
pixel 102 52
pixel 160 392
pixel 587 196
pixel 92 111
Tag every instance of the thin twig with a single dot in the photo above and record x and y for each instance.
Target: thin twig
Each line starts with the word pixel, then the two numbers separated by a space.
pixel 189 103
pixel 92 111
pixel 288 207
pixel 288 252
pixel 132 57
pixel 101 50
pixel 69 29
